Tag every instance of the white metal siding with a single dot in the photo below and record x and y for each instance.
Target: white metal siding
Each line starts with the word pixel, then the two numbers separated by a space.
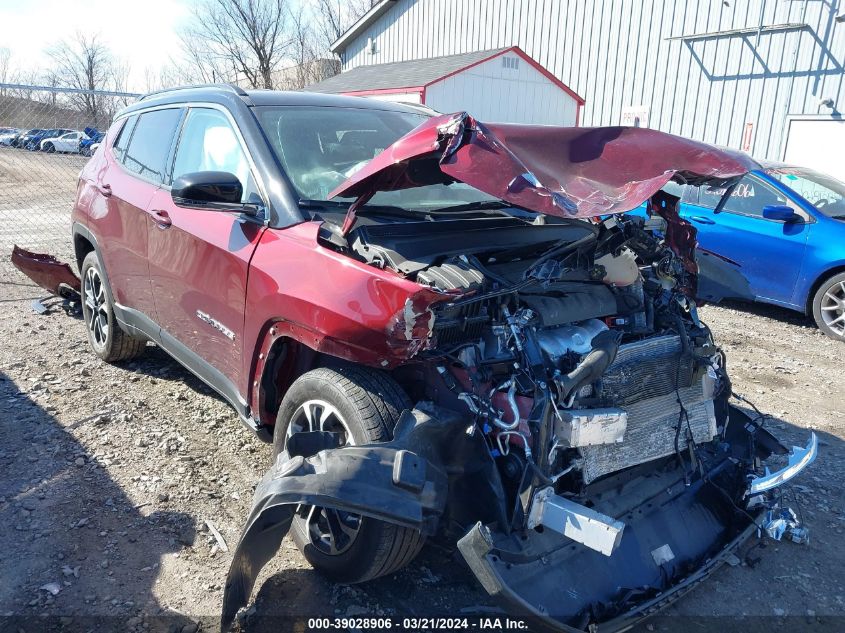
pixel 615 53
pixel 494 93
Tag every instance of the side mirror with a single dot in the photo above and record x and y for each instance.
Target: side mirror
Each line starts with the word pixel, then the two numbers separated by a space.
pixel 218 190
pixel 779 213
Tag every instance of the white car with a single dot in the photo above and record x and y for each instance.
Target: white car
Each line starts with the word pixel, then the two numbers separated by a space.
pixel 68 142
pixel 7 134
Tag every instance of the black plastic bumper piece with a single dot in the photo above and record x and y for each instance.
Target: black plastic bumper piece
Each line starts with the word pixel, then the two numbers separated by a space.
pixel 673 539
pixel 395 482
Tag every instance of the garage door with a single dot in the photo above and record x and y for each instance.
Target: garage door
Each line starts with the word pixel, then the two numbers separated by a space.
pixel 816 143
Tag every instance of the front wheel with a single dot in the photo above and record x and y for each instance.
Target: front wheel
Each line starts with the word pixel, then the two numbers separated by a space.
pixel 362 405
pixel 49 148
pixel 829 307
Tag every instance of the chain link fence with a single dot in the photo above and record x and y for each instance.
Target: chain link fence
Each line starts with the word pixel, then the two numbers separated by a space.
pixel 46 136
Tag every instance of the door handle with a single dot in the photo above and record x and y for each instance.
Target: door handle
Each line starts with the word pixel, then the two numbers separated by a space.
pixel 104 189
pixel 162 219
pixel 701 219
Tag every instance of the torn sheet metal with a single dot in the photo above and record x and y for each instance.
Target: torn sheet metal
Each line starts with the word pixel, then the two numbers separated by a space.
pixel 799 459
pixel 560 171
pixel 46 271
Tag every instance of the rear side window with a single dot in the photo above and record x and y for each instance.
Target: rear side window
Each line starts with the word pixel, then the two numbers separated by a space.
pixel 122 140
pixel 150 144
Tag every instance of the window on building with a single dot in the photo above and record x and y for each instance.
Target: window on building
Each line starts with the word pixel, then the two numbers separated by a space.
pixel 511 63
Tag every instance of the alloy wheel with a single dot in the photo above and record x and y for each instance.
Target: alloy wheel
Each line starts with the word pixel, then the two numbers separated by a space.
pixel 97 318
pixel 833 308
pixel 329 531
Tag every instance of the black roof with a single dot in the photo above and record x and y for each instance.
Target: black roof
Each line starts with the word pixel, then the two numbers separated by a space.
pixel 225 94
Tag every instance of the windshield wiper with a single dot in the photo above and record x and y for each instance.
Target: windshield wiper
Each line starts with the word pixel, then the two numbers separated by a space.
pixel 371 209
pixel 478 205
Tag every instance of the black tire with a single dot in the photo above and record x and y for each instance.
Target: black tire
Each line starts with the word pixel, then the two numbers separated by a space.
pixel 49 148
pixel 370 402
pixel 107 340
pixel 829 307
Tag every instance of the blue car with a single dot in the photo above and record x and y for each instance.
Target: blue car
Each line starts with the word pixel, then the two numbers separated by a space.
pixel 94 138
pixel 777 236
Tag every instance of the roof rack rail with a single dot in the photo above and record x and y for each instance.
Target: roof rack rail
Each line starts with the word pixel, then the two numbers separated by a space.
pixel 231 87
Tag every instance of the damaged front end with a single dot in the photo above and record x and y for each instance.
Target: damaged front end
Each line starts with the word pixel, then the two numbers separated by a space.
pixel 572 434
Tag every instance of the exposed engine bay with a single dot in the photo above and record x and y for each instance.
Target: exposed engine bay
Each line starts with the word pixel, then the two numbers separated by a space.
pixel 595 327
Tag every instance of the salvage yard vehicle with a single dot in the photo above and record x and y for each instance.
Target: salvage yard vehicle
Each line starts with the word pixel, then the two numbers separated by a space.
pixel 34 143
pixel 89 145
pixel 25 136
pixel 7 135
pixel 415 311
pixel 784 227
pixel 67 143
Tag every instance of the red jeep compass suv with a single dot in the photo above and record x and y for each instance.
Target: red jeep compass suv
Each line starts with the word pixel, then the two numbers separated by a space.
pixel 415 312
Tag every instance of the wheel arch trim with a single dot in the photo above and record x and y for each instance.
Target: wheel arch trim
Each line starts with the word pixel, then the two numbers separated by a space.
pixel 835 269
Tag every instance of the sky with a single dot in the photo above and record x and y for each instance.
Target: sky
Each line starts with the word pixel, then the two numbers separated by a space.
pixel 141 33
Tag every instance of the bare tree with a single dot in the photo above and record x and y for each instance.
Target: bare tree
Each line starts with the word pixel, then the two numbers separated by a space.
pixel 245 37
pixel 23 78
pixel 199 63
pixel 333 18
pixel 83 62
pixel 5 67
pixel 303 53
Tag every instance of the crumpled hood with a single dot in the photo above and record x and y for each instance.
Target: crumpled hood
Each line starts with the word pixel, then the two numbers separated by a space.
pixel 571 172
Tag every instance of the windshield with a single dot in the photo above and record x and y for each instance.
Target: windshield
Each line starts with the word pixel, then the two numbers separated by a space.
pixel 824 192
pixel 320 147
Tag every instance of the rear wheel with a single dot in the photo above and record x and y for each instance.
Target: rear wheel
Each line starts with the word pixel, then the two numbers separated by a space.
pixel 829 307
pixel 362 405
pixel 106 338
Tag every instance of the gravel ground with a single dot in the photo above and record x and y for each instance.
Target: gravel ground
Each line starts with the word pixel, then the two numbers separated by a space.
pixel 113 474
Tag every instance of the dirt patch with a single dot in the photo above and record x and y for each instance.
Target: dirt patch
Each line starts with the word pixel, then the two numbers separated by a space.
pixel 110 474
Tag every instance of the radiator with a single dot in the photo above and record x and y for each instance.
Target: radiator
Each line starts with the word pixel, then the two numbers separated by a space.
pixel 642 380
pixel 645 369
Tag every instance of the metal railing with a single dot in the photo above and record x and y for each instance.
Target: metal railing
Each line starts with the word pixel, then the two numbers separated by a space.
pixel 41 161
